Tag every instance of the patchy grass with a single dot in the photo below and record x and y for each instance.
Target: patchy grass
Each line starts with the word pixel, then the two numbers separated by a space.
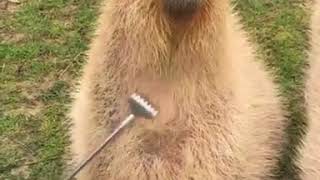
pixel 41 51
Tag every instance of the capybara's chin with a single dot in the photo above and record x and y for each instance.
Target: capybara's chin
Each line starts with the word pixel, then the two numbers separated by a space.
pixel 182 8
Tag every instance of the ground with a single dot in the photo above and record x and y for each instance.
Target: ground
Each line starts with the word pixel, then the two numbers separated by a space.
pixel 42 46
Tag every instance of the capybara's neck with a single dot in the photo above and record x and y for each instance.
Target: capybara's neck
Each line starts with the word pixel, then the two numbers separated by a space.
pixel 150 41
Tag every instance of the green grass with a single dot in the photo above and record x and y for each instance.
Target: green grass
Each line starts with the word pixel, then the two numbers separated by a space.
pixel 41 52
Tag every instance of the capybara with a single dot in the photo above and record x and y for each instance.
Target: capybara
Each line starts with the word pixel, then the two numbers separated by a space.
pixel 220 115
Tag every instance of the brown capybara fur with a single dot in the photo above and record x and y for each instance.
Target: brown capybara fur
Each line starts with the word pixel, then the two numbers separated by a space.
pixel 220 117
pixel 309 161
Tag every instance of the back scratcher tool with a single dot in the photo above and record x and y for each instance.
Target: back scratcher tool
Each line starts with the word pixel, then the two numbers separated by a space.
pixel 139 108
